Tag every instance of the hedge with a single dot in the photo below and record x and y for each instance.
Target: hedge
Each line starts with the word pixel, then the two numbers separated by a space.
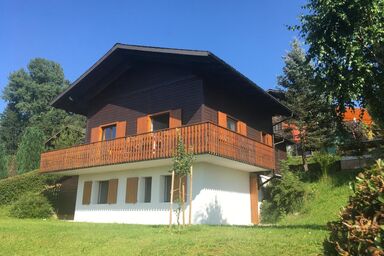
pixel 11 189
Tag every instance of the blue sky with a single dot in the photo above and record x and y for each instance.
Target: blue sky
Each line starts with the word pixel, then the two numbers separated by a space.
pixel 249 35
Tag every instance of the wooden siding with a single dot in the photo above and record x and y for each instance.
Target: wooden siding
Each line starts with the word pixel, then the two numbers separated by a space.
pixel 202 138
pixel 254 194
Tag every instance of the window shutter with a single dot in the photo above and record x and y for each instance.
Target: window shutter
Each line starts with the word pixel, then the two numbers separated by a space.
pixel 131 190
pixel 112 191
pixel 176 188
pixel 87 189
pixel 121 128
pixel 222 119
pixel 242 128
pixel 175 118
pixel 95 134
pixel 253 191
pixel 143 124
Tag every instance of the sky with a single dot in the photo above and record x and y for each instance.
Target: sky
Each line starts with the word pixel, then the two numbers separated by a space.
pixel 252 36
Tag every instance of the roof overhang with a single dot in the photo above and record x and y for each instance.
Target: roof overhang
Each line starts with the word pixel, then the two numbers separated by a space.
pixel 122 57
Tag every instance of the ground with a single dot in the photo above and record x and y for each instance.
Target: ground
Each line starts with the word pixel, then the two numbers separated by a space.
pixel 297 234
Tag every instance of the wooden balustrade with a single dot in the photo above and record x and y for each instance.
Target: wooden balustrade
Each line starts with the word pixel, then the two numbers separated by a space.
pixel 203 138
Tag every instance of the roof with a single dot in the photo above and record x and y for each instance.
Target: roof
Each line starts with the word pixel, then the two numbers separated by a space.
pixel 357 115
pixel 122 56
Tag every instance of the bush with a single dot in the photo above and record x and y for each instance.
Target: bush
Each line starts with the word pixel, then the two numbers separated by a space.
pixel 360 229
pixel 282 196
pixel 325 160
pixel 31 205
pixel 12 188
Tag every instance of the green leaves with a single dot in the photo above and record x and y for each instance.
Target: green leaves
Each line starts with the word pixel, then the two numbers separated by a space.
pixel 182 160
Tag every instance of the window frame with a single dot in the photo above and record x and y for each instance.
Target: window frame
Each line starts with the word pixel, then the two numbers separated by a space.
pixel 235 122
pixel 149 178
pixel 167 186
pixel 160 114
pixel 106 126
pixel 99 190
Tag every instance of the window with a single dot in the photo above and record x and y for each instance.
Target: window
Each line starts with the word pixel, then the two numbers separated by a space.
pixel 103 192
pixel 160 122
pixel 231 124
pixel 147 189
pixel 167 188
pixel 109 132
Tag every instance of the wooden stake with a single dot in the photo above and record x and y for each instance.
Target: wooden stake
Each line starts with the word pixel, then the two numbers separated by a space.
pixel 190 195
pixel 171 199
pixel 183 201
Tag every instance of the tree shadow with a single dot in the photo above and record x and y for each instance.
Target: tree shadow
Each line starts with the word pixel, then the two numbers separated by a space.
pixel 212 214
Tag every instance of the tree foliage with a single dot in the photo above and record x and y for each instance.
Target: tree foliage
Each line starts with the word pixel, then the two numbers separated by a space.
pixel 29 150
pixel 3 162
pixel 346 43
pixel 312 111
pixel 28 95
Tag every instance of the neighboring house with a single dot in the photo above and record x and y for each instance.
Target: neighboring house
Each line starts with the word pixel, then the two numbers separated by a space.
pixel 137 101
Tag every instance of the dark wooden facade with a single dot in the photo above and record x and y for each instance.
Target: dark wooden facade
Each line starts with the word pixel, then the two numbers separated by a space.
pixel 132 83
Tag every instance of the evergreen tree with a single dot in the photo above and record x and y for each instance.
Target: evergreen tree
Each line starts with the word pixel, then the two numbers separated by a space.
pixel 312 111
pixel 28 96
pixel 3 162
pixel 29 150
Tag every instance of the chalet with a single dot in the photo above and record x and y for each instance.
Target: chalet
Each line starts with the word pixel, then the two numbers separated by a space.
pixel 137 101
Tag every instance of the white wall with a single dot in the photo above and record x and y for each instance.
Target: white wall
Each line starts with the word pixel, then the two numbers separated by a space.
pixel 220 196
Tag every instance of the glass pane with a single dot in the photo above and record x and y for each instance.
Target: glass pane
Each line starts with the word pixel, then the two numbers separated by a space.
pixel 231 124
pixel 103 192
pixel 167 188
pixel 109 132
pixel 160 122
pixel 148 189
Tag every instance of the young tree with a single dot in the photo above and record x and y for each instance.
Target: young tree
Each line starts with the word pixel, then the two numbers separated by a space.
pixel 312 111
pixel 181 168
pixel 3 162
pixel 346 44
pixel 30 148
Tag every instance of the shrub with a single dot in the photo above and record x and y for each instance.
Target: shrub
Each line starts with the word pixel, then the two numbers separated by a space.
pixel 360 229
pixel 282 196
pixel 12 188
pixel 29 150
pixel 325 160
pixel 31 205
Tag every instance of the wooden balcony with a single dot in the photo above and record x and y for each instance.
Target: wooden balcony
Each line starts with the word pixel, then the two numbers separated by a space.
pixel 203 138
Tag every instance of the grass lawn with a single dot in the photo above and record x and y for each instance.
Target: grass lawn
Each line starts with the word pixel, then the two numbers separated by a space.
pixel 299 234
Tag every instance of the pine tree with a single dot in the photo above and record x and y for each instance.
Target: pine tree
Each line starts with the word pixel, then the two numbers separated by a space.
pixel 3 162
pixel 312 111
pixel 30 148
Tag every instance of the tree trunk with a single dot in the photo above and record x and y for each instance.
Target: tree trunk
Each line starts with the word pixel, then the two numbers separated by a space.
pixel 305 161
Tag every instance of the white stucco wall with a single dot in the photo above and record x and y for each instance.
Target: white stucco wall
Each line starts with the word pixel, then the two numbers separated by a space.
pixel 220 196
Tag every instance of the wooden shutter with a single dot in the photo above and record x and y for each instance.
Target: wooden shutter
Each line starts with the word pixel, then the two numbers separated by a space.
pixel 175 118
pixel 95 134
pixel 87 189
pixel 254 191
pixel 176 188
pixel 242 128
pixel 222 119
pixel 143 124
pixel 112 191
pixel 131 190
pixel 121 128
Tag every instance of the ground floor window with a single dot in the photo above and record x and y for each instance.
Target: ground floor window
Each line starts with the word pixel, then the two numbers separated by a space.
pixel 147 189
pixel 103 192
pixel 167 188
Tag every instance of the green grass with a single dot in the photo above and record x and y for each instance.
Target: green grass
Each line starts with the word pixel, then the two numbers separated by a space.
pixel 300 234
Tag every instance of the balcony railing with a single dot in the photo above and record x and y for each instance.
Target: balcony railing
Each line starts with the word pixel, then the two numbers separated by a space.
pixel 203 138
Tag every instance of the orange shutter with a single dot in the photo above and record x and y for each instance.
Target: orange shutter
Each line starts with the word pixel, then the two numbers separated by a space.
pixel 253 191
pixel 269 139
pixel 222 119
pixel 95 134
pixel 121 128
pixel 112 191
pixel 242 128
pixel 131 190
pixel 87 189
pixel 143 124
pixel 175 118
pixel 176 187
